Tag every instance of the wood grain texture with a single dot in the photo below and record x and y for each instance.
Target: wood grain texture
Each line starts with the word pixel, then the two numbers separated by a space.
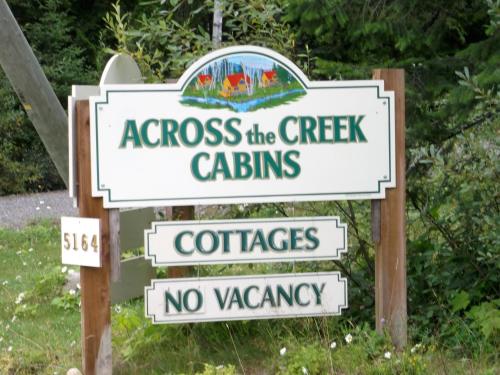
pixel 114 243
pixel 95 282
pixel 181 213
pixel 390 257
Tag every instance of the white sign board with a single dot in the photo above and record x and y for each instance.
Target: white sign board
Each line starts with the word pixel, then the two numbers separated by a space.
pixel 245 297
pixel 180 243
pixel 243 124
pixel 81 241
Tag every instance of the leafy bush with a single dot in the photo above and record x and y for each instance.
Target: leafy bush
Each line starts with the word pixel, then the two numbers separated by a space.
pixel 53 33
pixel 166 37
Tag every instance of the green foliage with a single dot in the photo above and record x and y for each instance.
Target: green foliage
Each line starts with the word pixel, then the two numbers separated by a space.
pixel 42 338
pixel 162 44
pixel 68 301
pixel 54 30
pixel 23 162
pixel 218 370
pixel 460 301
pixel 362 351
pixel 486 316
pixel 451 57
pixel 306 359
pixel 166 37
pixel 450 53
pixel 45 337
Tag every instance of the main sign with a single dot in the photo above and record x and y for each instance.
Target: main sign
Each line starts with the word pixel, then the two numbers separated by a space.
pixel 243 124
pixel 245 297
pixel 181 243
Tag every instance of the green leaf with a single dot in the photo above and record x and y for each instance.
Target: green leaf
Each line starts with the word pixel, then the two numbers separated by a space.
pixel 460 301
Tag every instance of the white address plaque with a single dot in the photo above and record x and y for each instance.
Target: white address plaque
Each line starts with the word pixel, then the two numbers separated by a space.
pixel 81 241
pixel 179 243
pixel 245 297
pixel 242 124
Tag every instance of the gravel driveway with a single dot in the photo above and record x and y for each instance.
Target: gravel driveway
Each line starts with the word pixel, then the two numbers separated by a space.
pixel 17 211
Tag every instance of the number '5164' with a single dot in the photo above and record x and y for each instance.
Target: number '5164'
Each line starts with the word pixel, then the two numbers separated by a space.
pixel 71 241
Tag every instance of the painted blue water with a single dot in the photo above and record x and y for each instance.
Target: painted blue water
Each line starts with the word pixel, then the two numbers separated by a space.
pixel 240 106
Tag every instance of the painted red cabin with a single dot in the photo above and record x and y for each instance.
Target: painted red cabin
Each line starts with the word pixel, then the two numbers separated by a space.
pixel 204 80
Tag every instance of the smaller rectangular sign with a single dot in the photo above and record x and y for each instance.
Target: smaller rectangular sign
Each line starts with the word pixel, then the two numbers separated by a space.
pixel 211 299
pixel 81 241
pixel 179 243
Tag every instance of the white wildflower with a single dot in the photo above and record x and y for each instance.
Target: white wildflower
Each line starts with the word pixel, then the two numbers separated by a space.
pixel 348 338
pixel 42 202
pixel 415 348
pixel 9 349
pixel 304 371
pixel 72 292
pixel 118 309
pixel 18 252
pixel 78 286
pixel 282 351
pixel 38 208
pixel 18 277
pixel 30 249
pixel 20 298
pixel 48 207
pixel 39 263
pixel 25 264
pixel 333 345
pixel 1 339
pixel 73 343
pixel 64 269
pixel 387 355
pixel 5 282
pixel 13 319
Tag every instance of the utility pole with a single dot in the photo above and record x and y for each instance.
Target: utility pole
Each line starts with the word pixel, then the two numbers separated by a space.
pixel 34 90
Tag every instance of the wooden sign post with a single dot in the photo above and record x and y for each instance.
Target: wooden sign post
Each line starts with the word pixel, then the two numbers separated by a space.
pixel 95 282
pixel 181 213
pixel 389 234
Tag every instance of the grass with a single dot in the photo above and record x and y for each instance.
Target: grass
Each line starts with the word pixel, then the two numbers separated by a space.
pixel 44 336
pixel 41 338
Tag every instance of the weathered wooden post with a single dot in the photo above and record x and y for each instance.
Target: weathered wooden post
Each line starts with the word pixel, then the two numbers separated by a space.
pixel 95 282
pixel 389 233
pixel 181 213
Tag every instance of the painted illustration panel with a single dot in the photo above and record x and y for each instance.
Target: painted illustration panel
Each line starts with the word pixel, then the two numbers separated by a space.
pixel 242 83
